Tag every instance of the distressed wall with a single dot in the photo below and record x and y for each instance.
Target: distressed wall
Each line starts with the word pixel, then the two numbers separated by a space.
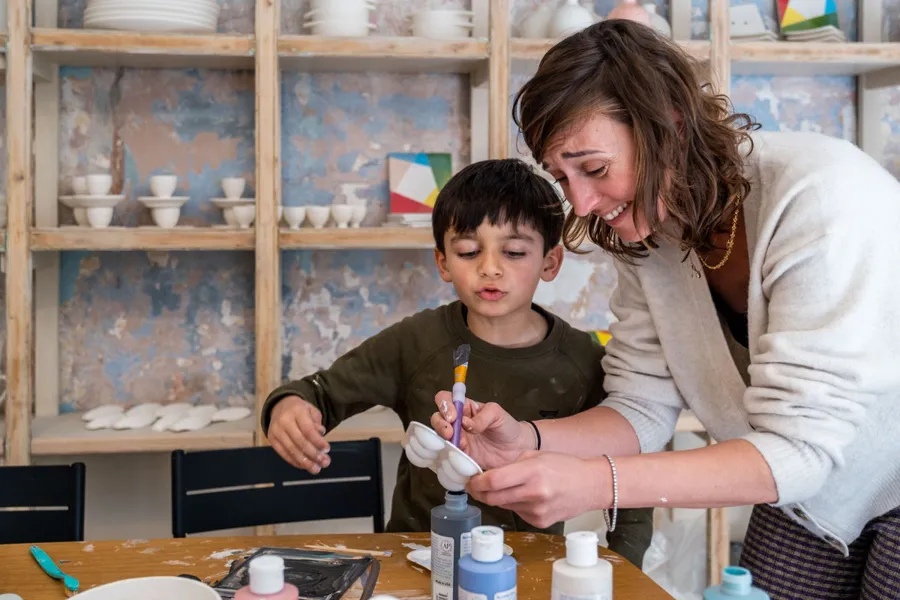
pixel 160 326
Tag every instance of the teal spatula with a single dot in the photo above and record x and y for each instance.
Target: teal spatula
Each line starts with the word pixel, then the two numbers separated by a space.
pixel 49 567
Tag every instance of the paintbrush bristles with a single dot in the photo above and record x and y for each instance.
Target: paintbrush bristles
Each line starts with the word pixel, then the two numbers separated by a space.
pixel 461 355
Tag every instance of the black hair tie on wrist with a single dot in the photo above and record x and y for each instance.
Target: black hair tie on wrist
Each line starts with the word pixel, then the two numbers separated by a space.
pixel 537 433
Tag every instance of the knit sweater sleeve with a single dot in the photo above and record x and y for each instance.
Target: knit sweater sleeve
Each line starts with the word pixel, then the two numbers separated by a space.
pixel 831 343
pixel 637 378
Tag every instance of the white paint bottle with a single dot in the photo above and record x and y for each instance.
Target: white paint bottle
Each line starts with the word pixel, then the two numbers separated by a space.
pixel 581 575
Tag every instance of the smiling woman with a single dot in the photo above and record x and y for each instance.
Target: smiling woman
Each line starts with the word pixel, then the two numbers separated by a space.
pixel 748 264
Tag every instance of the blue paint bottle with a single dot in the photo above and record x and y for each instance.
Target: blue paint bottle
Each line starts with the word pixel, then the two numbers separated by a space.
pixel 488 573
pixel 451 539
pixel 736 583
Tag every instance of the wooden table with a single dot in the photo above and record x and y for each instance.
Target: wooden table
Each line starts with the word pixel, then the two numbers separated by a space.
pixel 95 563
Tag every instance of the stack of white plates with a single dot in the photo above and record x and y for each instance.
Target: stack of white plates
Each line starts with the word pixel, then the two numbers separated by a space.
pixel 826 33
pixel 152 15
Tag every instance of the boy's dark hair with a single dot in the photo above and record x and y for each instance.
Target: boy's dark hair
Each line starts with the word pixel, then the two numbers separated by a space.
pixel 501 191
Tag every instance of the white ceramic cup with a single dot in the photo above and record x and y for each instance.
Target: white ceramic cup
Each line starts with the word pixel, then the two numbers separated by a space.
pixel 294 216
pixel 359 213
pixel 80 217
pixel 233 186
pixel 335 10
pixel 166 217
pixel 79 185
pixel 99 216
pixel 163 186
pixel 318 215
pixel 228 215
pixel 341 213
pixel 340 28
pixel 442 24
pixel 98 185
pixel 244 214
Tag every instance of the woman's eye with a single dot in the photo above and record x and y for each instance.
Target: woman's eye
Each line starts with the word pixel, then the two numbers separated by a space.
pixel 598 172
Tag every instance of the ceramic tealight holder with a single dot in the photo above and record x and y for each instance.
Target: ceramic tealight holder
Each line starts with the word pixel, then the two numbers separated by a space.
pixel 244 214
pixel 359 213
pixel 163 186
pixel 294 216
pixel 427 450
pixel 233 187
pixel 79 185
pixel 164 211
pixel 98 184
pixel 318 215
pixel 341 213
pixel 92 210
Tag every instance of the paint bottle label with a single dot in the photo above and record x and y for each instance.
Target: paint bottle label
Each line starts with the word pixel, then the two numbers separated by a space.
pixel 507 595
pixel 554 595
pixel 442 566
pixel 465 544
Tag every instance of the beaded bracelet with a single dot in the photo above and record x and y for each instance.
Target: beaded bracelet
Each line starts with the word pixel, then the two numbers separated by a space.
pixel 611 524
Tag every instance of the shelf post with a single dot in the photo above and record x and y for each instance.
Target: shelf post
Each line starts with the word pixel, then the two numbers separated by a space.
pixel 869 107
pixel 19 192
pixel 720 46
pixel 498 69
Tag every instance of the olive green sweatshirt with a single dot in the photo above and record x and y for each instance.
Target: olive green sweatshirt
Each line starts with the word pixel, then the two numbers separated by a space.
pixel 405 365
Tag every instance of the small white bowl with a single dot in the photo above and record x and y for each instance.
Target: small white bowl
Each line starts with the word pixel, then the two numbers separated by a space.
pixel 80 217
pixel 99 185
pixel 152 588
pixel 233 186
pixel 166 217
pixel 99 216
pixel 244 214
pixel 228 215
pixel 340 28
pixel 294 216
pixel 341 213
pixel 359 213
pixel 163 186
pixel 79 186
pixel 318 215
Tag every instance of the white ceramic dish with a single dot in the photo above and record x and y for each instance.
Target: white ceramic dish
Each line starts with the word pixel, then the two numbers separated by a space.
pixel 151 588
pixel 231 202
pixel 149 22
pixel 154 202
pixel 427 450
pixel 91 201
pixel 422 556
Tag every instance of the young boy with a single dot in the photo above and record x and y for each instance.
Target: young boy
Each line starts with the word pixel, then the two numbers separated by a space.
pixel 497 227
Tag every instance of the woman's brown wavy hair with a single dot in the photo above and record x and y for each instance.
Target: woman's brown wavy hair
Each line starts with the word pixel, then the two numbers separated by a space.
pixel 628 72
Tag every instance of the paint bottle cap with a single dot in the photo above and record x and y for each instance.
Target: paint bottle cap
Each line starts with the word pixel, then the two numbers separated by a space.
pixel 487 544
pixel 266 575
pixel 581 548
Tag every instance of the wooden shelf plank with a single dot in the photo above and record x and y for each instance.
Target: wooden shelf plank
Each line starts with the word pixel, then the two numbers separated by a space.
pixel 812 58
pixel 96 48
pixel 526 52
pixel 357 239
pixel 376 53
pixel 142 238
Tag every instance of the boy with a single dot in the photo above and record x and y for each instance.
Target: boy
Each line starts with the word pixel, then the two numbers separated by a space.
pixel 497 227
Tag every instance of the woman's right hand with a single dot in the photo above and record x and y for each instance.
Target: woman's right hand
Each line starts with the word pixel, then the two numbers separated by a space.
pixel 490 435
pixel 297 434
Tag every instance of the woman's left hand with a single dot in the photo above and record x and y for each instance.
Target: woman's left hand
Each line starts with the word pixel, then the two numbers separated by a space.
pixel 544 488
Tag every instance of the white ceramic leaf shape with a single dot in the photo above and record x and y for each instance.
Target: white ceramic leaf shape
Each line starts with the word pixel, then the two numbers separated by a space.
pixel 138 420
pixel 104 422
pixel 192 422
pixel 147 408
pixel 102 411
pixel 166 421
pixel 178 408
pixel 232 413
pixel 203 410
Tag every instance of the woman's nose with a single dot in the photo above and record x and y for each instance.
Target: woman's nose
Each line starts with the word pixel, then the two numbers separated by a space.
pixel 583 198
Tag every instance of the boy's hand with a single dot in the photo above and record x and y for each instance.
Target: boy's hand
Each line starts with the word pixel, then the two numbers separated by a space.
pixel 490 435
pixel 297 434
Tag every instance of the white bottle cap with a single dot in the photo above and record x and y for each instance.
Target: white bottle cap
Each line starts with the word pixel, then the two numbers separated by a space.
pixel 581 549
pixel 487 544
pixel 266 575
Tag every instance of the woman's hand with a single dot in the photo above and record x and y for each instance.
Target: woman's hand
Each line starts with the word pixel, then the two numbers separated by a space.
pixel 489 434
pixel 544 488
pixel 297 434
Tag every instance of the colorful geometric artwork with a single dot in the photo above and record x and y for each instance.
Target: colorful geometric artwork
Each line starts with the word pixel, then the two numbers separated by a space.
pixel 601 336
pixel 800 15
pixel 415 178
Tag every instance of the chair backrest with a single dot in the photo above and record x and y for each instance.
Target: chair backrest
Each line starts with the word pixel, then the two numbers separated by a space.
pixel 40 504
pixel 245 487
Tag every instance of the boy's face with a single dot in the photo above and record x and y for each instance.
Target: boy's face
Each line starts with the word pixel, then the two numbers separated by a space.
pixel 496 269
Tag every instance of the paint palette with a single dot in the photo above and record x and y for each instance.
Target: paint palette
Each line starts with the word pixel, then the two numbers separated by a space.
pixel 427 450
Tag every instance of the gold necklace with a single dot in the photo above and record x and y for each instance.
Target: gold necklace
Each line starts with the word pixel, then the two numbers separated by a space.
pixel 729 245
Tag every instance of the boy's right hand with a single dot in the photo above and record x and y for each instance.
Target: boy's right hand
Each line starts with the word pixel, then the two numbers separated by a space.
pixel 297 434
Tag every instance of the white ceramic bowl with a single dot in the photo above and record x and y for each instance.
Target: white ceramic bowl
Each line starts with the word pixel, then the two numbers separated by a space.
pixel 166 217
pixel 99 185
pixel 359 213
pixel 358 11
pixel 340 27
pixel 80 216
pixel 163 186
pixel 233 186
pixel 151 588
pixel 341 213
pixel 79 186
pixel 228 215
pixel 244 214
pixel 99 216
pixel 318 215
pixel 426 449
pixel 294 216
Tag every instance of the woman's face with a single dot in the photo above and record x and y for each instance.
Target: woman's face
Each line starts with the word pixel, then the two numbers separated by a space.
pixel 594 164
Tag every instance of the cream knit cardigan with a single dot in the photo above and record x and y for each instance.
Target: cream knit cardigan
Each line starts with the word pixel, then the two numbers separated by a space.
pixel 823 407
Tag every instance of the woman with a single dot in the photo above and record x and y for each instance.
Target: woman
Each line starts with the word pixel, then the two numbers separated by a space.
pixel 758 286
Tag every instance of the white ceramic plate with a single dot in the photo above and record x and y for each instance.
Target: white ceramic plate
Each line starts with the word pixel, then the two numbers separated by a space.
pixel 156 6
pixel 151 588
pixel 91 201
pixel 154 202
pixel 231 202
pixel 149 22
pixel 422 556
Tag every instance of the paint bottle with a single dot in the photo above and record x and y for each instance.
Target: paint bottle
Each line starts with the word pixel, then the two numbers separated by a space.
pixel 267 581
pixel 487 573
pixel 582 574
pixel 451 538
pixel 737 582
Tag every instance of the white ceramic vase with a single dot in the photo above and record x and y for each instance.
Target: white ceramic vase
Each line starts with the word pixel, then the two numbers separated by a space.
pixel 657 21
pixel 569 18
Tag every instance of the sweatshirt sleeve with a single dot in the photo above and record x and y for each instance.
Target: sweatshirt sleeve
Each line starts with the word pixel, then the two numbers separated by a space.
pixel 370 374
pixel 637 379
pixel 831 345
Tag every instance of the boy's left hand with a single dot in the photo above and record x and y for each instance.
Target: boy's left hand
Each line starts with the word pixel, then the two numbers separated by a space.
pixel 545 488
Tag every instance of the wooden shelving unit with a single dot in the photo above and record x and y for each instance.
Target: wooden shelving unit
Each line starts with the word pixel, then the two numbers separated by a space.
pixel 30 57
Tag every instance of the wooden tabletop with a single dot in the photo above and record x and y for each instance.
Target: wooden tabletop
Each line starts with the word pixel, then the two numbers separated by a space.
pixel 95 563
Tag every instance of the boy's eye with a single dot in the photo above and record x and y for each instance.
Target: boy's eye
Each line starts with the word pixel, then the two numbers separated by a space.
pixel 470 254
pixel 513 254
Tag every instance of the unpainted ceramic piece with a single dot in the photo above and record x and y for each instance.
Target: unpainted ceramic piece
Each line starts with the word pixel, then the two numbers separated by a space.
pixel 147 408
pixel 203 410
pixel 138 420
pixel 232 413
pixel 104 421
pixel 426 449
pixel 178 408
pixel 102 411
pixel 166 421
pixel 192 422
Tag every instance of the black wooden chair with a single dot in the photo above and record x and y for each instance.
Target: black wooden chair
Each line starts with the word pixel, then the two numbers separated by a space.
pixel 224 489
pixel 40 504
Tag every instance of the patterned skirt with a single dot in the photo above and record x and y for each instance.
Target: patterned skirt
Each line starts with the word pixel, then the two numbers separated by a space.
pixel 790 563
